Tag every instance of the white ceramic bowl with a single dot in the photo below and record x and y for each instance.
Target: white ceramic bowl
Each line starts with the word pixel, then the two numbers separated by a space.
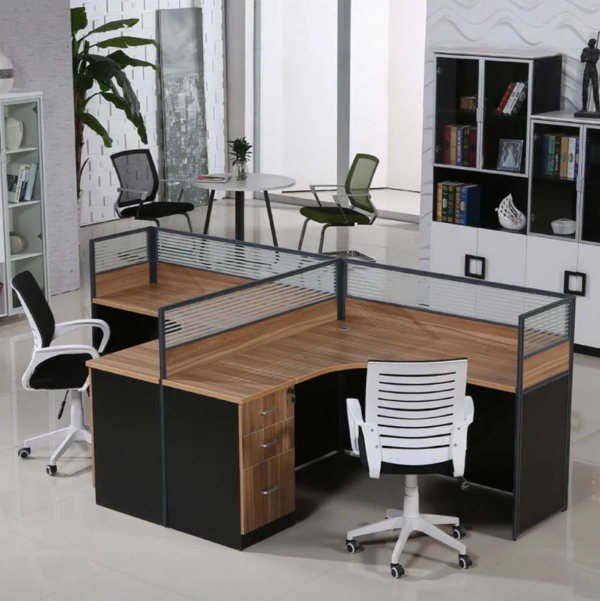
pixel 563 227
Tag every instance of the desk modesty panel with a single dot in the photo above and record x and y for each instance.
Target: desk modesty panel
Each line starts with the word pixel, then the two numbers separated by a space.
pixel 238 375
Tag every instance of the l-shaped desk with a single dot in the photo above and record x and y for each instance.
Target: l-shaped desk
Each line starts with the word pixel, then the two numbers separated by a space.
pixel 230 364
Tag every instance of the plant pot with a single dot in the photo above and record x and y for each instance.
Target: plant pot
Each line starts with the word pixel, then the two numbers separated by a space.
pixel 7 74
pixel 242 173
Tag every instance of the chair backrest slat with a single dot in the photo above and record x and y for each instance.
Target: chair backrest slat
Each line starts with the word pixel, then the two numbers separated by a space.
pixel 136 171
pixel 358 181
pixel 415 406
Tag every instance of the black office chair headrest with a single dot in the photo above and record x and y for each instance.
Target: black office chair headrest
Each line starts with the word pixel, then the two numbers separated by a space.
pixel 38 310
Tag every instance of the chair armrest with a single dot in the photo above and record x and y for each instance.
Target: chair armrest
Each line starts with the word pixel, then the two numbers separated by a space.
pixel 370 434
pixel 143 193
pixel 69 326
pixel 458 438
pixel 43 354
pixel 313 189
pixel 371 216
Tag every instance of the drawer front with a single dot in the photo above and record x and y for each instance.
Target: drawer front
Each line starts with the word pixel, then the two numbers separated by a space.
pixel 267 443
pixel 266 411
pixel 268 491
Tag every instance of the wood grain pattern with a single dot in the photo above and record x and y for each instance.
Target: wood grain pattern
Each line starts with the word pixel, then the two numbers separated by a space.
pixel 140 362
pixel 264 332
pixel 175 284
pixel 258 508
pixel 266 411
pixel 114 282
pixel 546 364
pixel 278 439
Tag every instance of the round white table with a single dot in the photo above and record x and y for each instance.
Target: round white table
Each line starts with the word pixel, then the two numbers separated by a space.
pixel 255 182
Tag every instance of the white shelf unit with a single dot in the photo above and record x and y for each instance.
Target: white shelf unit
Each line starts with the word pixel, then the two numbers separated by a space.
pixel 26 218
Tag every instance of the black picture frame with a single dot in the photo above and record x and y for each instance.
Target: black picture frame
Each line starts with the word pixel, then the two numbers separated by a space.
pixel 510 155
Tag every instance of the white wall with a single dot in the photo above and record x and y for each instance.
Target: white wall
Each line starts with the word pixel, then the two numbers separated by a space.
pixel 36 37
pixel 560 25
pixel 407 24
pixel 99 184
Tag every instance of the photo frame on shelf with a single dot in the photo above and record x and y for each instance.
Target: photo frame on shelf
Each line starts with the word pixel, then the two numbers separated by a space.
pixel 510 155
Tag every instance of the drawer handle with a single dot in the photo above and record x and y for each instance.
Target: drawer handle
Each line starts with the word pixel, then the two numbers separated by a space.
pixel 271 490
pixel 269 411
pixel 269 444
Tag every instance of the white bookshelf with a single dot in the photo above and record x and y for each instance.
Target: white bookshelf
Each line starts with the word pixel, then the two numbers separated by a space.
pixel 26 217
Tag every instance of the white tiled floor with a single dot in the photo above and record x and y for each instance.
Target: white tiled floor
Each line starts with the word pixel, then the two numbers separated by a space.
pixel 56 544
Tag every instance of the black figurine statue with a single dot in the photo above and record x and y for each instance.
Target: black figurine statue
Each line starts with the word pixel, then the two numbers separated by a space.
pixel 590 56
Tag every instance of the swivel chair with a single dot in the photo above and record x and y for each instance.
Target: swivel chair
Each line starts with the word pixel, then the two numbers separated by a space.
pixel 417 417
pixel 59 367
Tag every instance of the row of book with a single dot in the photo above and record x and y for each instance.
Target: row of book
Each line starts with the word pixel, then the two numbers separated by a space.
pixel 21 180
pixel 560 156
pixel 460 145
pixel 458 203
pixel 513 98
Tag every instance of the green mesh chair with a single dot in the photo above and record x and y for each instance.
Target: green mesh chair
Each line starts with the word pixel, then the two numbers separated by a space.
pixel 355 190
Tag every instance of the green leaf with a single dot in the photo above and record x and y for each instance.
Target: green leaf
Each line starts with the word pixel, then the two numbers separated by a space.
pixel 138 121
pixel 114 25
pixel 78 19
pixel 124 42
pixel 97 127
pixel 83 82
pixel 127 61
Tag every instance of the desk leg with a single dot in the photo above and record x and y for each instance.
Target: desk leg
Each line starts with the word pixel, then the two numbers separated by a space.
pixel 271 222
pixel 211 200
pixel 239 215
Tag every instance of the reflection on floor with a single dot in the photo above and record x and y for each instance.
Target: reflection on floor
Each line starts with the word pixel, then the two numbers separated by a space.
pixel 56 544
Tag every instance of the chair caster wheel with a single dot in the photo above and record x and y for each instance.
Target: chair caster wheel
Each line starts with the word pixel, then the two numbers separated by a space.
pixel 396 570
pixel 353 546
pixel 465 562
pixel 51 470
pixel 458 532
pixel 24 452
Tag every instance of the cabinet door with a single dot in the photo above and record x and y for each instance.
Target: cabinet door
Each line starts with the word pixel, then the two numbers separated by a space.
pixel 450 244
pixel 547 261
pixel 587 314
pixel 590 218
pixel 504 255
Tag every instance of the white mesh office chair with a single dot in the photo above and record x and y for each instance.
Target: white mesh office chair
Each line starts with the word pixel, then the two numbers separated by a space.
pixel 59 367
pixel 416 422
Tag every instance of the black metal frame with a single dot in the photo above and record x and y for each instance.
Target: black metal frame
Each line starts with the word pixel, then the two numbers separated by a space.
pixel 566 287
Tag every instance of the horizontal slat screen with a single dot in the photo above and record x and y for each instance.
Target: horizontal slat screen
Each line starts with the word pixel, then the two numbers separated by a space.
pixel 203 318
pixel 422 291
pixel 546 329
pixel 121 251
pixel 228 257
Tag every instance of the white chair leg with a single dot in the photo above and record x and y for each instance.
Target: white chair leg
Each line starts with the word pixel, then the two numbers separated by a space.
pixel 48 436
pixel 440 520
pixel 383 526
pixel 394 513
pixel 408 527
pixel 441 536
pixel 64 445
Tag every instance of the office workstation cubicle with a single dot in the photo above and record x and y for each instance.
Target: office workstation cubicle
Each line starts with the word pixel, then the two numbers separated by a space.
pixel 248 382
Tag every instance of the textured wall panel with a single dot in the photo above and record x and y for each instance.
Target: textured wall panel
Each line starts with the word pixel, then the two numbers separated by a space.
pixel 559 25
pixel 36 37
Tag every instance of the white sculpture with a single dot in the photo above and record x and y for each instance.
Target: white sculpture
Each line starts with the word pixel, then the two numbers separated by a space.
pixel 509 216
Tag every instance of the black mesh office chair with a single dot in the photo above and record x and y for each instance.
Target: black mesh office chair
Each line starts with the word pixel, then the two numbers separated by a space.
pixel 59 367
pixel 139 184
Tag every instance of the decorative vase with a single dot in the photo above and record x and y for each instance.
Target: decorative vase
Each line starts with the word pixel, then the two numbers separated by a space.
pixel 7 74
pixel 14 133
pixel 18 243
pixel 242 174
pixel 509 216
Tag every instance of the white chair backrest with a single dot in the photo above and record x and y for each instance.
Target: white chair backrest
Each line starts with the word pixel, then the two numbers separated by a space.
pixel 415 406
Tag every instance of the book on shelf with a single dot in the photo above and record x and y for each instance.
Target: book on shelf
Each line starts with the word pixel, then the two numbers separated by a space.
pixel 576 174
pixel 556 155
pixel 571 158
pixel 16 179
pixel 28 194
pixel 213 179
pixel 447 136
pixel 564 157
pixel 457 200
pixel 470 204
pixel 465 147
pixel 473 132
pixel 451 201
pixel 459 144
pixel 445 195
pixel 520 100
pixel 453 136
pixel 505 98
pixel 512 101
pixel 438 208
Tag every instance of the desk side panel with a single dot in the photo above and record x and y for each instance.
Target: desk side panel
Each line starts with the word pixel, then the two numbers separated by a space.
pixel 203 467
pixel 546 365
pixel 127 446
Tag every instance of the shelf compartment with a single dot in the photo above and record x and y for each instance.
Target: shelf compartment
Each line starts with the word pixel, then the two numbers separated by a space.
pixel 24 256
pixel 25 203
pixel 22 150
